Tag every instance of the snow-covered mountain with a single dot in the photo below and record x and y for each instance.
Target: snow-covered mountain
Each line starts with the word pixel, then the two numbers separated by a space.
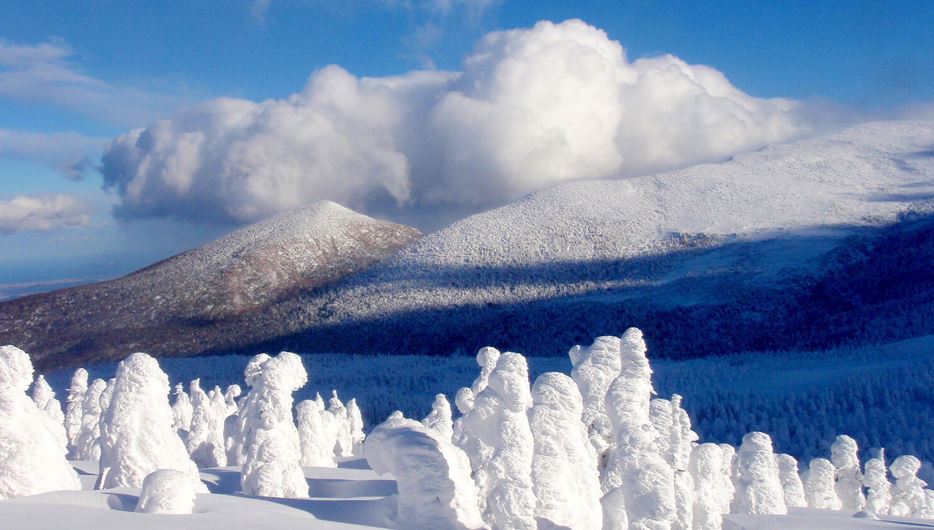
pixel 179 304
pixel 787 246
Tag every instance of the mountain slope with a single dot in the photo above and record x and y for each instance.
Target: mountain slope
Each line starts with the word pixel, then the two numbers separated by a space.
pixel 742 245
pixel 180 305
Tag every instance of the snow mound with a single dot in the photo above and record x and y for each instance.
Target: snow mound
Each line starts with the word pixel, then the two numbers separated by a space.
pixel 166 491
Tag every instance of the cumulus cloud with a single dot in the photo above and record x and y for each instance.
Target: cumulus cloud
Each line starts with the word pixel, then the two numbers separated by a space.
pixel 71 154
pixel 532 108
pixel 28 213
pixel 47 73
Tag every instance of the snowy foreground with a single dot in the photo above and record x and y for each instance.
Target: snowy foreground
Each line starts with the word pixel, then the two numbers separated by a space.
pixel 593 450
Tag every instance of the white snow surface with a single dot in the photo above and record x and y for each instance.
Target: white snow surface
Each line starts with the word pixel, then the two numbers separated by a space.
pixel 864 175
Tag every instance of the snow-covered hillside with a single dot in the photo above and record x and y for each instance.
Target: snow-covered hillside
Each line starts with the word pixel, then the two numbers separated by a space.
pixel 176 305
pixel 751 235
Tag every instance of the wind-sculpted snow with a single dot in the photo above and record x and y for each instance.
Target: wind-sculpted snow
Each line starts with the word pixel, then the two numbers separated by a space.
pixel 759 487
pixel 908 496
pixel 878 487
pixel 844 454
pixel 594 368
pixel 792 487
pixel 167 491
pixel 73 408
pixel 317 435
pixel 705 466
pixel 32 457
pixel 432 475
pixel 137 436
pixel 439 419
pixel 176 306
pixel 819 485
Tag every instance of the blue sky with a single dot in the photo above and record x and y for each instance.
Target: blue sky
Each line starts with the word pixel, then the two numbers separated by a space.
pixel 139 61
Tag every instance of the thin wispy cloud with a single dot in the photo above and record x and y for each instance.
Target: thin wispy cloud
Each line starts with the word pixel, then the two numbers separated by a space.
pixel 73 155
pixel 48 74
pixel 35 213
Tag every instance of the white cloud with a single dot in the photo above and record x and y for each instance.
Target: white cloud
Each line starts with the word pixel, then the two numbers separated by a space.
pixel 71 154
pixel 532 108
pixel 46 73
pixel 28 213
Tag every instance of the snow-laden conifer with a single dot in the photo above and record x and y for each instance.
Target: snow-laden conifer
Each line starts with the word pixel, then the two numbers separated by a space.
pixel 439 419
pixel 182 410
pixel 238 429
pixel 565 477
pixel 432 476
pixel 32 459
pixel 357 436
pixel 88 445
pixel 727 477
pixel 819 485
pixel 844 454
pixel 167 491
pixel 792 486
pixel 502 463
pixel 706 468
pixel 877 485
pixel 137 436
pixel 908 497
pixel 759 488
pixel 593 369
pixel 73 406
pixel 271 446
pixel 53 417
pixel 230 398
pixel 203 443
pixel 316 434
pixel 342 423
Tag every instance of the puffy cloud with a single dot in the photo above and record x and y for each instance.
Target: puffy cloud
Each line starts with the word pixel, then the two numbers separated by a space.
pixel 71 154
pixel 531 108
pixel 26 213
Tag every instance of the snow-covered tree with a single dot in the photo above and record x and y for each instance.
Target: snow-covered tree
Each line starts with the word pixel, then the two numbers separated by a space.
pixel 502 455
pixel 727 478
pixel 88 446
pixel 464 399
pixel 792 486
pixel 44 398
pixel 167 491
pixel 432 475
pixel 878 487
pixel 706 468
pixel 593 369
pixel 344 439
pixel 230 398
pixel 638 479
pixel 316 434
pixel 205 441
pixel 182 411
pixel 908 497
pixel 137 436
pixel 682 440
pixel 74 402
pixel 487 358
pixel 848 478
pixel 819 485
pixel 759 488
pixel 32 460
pixel 271 446
pixel 439 419
pixel 357 436
pixel 565 477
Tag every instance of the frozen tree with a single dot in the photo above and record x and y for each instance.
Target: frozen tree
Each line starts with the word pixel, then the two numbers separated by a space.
pixel 271 446
pixel 439 419
pixel 565 477
pixel 464 400
pixel 432 475
pixel 44 398
pixel 344 439
pixel 849 479
pixel 593 369
pixel 356 425
pixel 682 439
pixel 706 468
pixel 908 497
pixel 88 445
pixel 759 488
pixel 137 437
pixel 878 487
pixel 727 477
pixel 74 403
pixel 792 486
pixel 487 358
pixel 316 434
pixel 32 460
pixel 501 446
pixel 639 481
pixel 230 398
pixel 167 491
pixel 819 485
pixel 106 396
pixel 181 411
pixel 202 441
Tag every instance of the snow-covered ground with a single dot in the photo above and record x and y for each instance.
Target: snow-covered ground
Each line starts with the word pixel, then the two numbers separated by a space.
pixel 349 497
